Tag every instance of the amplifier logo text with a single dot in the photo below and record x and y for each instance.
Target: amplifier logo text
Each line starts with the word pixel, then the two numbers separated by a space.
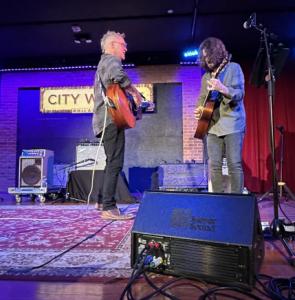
pixel 183 218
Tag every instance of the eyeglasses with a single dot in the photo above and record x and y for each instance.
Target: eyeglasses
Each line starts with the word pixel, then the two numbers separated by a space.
pixel 122 44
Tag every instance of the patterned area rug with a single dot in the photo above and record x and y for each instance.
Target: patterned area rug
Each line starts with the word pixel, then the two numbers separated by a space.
pixel 31 236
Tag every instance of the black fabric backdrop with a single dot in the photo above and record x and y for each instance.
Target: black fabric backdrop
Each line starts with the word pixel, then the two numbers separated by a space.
pixel 79 184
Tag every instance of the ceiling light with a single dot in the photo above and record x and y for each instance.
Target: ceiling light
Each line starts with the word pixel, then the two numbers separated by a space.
pixel 80 38
pixel 76 28
pixel 190 55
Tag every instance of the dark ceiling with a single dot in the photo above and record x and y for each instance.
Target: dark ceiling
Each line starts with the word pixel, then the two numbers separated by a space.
pixel 39 32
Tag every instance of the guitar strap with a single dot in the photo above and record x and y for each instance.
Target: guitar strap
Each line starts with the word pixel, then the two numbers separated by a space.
pixel 222 73
pixel 103 93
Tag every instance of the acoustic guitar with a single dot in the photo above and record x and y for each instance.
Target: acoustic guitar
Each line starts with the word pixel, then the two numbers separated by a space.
pixel 122 107
pixel 208 106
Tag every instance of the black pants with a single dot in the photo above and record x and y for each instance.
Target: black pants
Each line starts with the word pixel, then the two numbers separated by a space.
pixel 114 145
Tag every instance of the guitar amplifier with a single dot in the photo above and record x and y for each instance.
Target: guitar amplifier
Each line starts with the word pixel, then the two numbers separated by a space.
pixel 86 154
pixel 182 176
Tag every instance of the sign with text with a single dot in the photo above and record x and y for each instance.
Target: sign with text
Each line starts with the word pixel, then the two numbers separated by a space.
pixel 78 99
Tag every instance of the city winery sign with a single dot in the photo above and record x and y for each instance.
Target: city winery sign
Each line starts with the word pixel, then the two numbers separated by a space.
pixel 77 99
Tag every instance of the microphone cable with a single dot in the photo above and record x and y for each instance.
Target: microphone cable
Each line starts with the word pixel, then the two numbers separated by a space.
pixel 96 157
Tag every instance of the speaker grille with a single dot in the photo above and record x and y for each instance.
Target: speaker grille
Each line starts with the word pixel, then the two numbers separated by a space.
pixel 31 172
pixel 197 259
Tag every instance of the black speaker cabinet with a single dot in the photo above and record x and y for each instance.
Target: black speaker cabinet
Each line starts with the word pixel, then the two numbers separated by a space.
pixel 36 168
pixel 214 237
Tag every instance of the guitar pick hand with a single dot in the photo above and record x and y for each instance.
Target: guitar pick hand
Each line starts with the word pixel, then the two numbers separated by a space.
pixel 135 94
pixel 198 112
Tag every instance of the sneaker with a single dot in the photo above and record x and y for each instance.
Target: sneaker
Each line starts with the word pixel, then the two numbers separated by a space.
pixel 98 206
pixel 114 214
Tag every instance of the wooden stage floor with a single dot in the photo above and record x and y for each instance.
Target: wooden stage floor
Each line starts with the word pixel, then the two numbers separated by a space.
pixel 275 264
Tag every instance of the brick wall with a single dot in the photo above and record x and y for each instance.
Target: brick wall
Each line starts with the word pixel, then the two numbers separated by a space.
pixel 10 82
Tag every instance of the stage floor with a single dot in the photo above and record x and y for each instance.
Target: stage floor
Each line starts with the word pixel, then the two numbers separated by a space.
pixel 275 265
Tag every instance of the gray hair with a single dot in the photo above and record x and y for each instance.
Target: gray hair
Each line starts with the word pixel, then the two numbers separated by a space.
pixel 109 37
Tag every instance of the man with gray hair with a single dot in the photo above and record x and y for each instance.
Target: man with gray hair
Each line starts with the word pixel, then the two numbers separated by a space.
pixel 110 71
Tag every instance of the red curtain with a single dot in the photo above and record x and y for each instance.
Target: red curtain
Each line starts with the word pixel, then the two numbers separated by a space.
pixel 256 152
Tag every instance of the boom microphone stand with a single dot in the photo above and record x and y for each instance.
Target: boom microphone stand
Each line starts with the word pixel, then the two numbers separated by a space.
pixel 278 227
pixel 283 187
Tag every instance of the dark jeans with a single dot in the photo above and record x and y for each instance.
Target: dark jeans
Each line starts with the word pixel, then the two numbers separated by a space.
pixel 229 146
pixel 114 144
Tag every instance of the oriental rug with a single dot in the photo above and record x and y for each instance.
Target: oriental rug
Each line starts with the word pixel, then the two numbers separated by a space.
pixel 71 241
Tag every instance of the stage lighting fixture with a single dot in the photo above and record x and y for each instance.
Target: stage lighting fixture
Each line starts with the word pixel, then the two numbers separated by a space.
pixel 191 53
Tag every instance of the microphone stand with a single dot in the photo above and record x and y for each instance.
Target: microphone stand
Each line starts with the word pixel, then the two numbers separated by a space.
pixel 277 224
pixel 282 185
pixel 89 161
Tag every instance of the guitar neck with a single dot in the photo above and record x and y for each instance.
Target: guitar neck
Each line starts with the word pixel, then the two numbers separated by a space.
pixel 207 98
pixel 215 75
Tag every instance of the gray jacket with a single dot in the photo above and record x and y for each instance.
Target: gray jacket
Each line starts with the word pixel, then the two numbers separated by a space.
pixel 229 112
pixel 109 70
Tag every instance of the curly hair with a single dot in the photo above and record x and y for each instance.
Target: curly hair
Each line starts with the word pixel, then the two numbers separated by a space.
pixel 215 52
pixel 109 37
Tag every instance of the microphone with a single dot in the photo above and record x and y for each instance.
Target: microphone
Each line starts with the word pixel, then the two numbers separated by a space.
pixel 250 22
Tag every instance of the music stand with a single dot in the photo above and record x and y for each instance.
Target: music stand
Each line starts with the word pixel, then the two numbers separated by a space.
pixel 269 62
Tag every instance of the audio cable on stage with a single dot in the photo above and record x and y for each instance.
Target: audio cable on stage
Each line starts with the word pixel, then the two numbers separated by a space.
pixel 96 156
pixel 67 250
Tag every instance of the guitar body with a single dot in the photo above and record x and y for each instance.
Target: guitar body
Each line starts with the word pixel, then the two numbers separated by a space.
pixel 204 121
pixel 121 110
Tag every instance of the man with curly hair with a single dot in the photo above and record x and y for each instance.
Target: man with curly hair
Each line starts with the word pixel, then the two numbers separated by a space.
pixel 227 125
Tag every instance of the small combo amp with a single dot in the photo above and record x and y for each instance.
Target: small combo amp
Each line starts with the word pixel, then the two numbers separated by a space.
pixel 182 177
pixel 214 237
pixel 86 154
pixel 36 168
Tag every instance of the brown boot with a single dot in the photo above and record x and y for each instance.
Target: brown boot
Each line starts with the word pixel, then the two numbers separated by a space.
pixel 114 214
pixel 98 206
